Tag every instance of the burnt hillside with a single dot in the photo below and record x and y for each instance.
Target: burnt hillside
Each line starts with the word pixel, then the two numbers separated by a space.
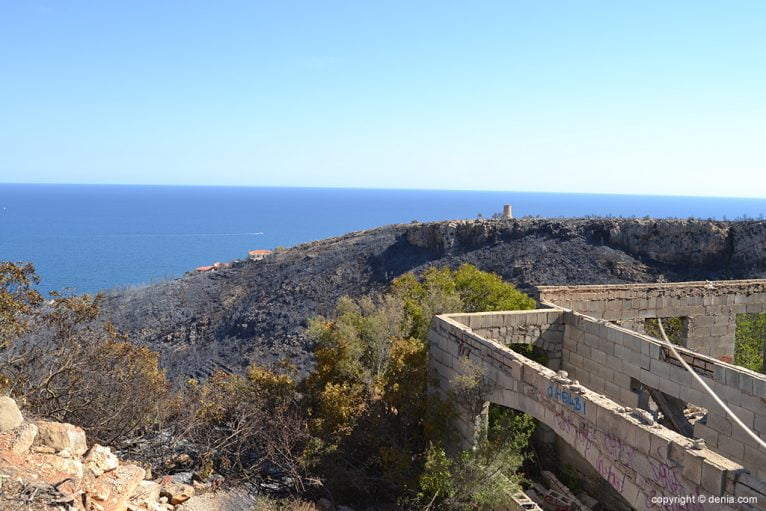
pixel 258 310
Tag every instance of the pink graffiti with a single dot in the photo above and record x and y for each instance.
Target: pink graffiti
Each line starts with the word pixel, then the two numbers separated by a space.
pixel 617 449
pixel 667 478
pixel 591 438
pixel 614 477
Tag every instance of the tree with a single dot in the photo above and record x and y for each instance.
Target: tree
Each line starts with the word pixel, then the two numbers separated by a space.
pixel 368 399
pixel 18 299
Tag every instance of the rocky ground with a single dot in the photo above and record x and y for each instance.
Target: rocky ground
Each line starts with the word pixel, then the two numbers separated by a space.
pixel 49 465
pixel 258 310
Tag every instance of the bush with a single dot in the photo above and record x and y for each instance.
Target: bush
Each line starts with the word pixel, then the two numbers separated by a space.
pixel 243 426
pixel 482 477
pixel 750 335
pixel 67 366
pixel 381 434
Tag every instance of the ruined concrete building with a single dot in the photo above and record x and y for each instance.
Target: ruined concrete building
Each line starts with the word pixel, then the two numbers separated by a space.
pixel 606 383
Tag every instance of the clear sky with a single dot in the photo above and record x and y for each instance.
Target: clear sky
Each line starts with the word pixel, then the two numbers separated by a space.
pixel 657 97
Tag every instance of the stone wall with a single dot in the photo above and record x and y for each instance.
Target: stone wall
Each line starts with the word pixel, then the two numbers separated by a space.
pixel 605 358
pixel 709 308
pixel 541 328
pixel 640 460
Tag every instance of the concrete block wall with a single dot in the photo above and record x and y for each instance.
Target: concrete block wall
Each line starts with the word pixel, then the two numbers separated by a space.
pixel 543 328
pixel 604 357
pixel 640 461
pixel 710 308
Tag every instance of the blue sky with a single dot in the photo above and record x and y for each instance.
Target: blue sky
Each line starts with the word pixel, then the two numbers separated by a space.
pixel 608 97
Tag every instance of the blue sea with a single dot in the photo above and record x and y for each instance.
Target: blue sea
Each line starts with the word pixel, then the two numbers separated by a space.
pixel 86 238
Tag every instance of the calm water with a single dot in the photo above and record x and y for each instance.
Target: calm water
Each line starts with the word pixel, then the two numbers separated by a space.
pixel 87 238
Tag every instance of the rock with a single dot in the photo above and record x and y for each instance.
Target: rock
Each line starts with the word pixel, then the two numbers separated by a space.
pixel 10 416
pixel 100 459
pixel 146 496
pixel 69 466
pixel 177 493
pixel 43 449
pixel 182 477
pixel 62 436
pixel 66 453
pixel 147 490
pixel 22 438
pixel 112 490
pixel 227 500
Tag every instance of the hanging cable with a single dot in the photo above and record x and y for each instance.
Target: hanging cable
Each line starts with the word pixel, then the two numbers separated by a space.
pixel 717 399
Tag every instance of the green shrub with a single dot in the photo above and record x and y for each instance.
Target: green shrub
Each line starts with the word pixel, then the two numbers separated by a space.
pixel 750 335
pixel 380 432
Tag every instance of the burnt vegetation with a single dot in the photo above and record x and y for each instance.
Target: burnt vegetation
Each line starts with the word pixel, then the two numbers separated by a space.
pixel 257 311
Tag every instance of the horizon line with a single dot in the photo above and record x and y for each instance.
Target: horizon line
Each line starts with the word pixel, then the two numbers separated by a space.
pixel 458 190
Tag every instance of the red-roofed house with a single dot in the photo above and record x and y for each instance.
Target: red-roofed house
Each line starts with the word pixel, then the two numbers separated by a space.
pixel 257 255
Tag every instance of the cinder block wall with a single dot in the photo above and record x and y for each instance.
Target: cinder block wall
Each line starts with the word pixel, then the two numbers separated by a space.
pixel 605 357
pixel 709 308
pixel 640 461
pixel 543 328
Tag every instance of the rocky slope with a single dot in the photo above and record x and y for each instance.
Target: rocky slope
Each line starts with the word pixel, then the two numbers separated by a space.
pixel 49 466
pixel 257 310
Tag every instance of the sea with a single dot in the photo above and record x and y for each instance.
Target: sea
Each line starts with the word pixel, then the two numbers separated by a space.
pixel 88 238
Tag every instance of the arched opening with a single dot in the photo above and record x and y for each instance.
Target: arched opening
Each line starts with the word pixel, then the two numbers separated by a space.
pixel 554 474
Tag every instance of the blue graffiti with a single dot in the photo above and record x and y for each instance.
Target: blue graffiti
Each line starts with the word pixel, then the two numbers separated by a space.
pixel 567 398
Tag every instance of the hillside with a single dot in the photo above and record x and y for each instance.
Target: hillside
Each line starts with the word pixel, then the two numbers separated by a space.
pixel 257 310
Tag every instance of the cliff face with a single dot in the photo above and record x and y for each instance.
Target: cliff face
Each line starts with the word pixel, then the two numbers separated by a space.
pixel 258 310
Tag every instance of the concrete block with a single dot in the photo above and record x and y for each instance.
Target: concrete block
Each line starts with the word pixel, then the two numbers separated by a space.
pixel 755 459
pixel 691 395
pixel 632 342
pixel 613 392
pixel 745 415
pixel 746 383
pixel 649 378
pixel 643 440
pixel 660 447
pixel 677 453
pixel 713 478
pixel 628 398
pixel 631 493
pixel 646 348
pixel 631 370
pixel 759 424
pixel 661 369
pixel 731 447
pixel 680 376
pixel 621 352
pixel 710 436
pixel 598 356
pixel 605 372
pixel 692 466
pixel 759 386
pixel 729 395
pixel 718 422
